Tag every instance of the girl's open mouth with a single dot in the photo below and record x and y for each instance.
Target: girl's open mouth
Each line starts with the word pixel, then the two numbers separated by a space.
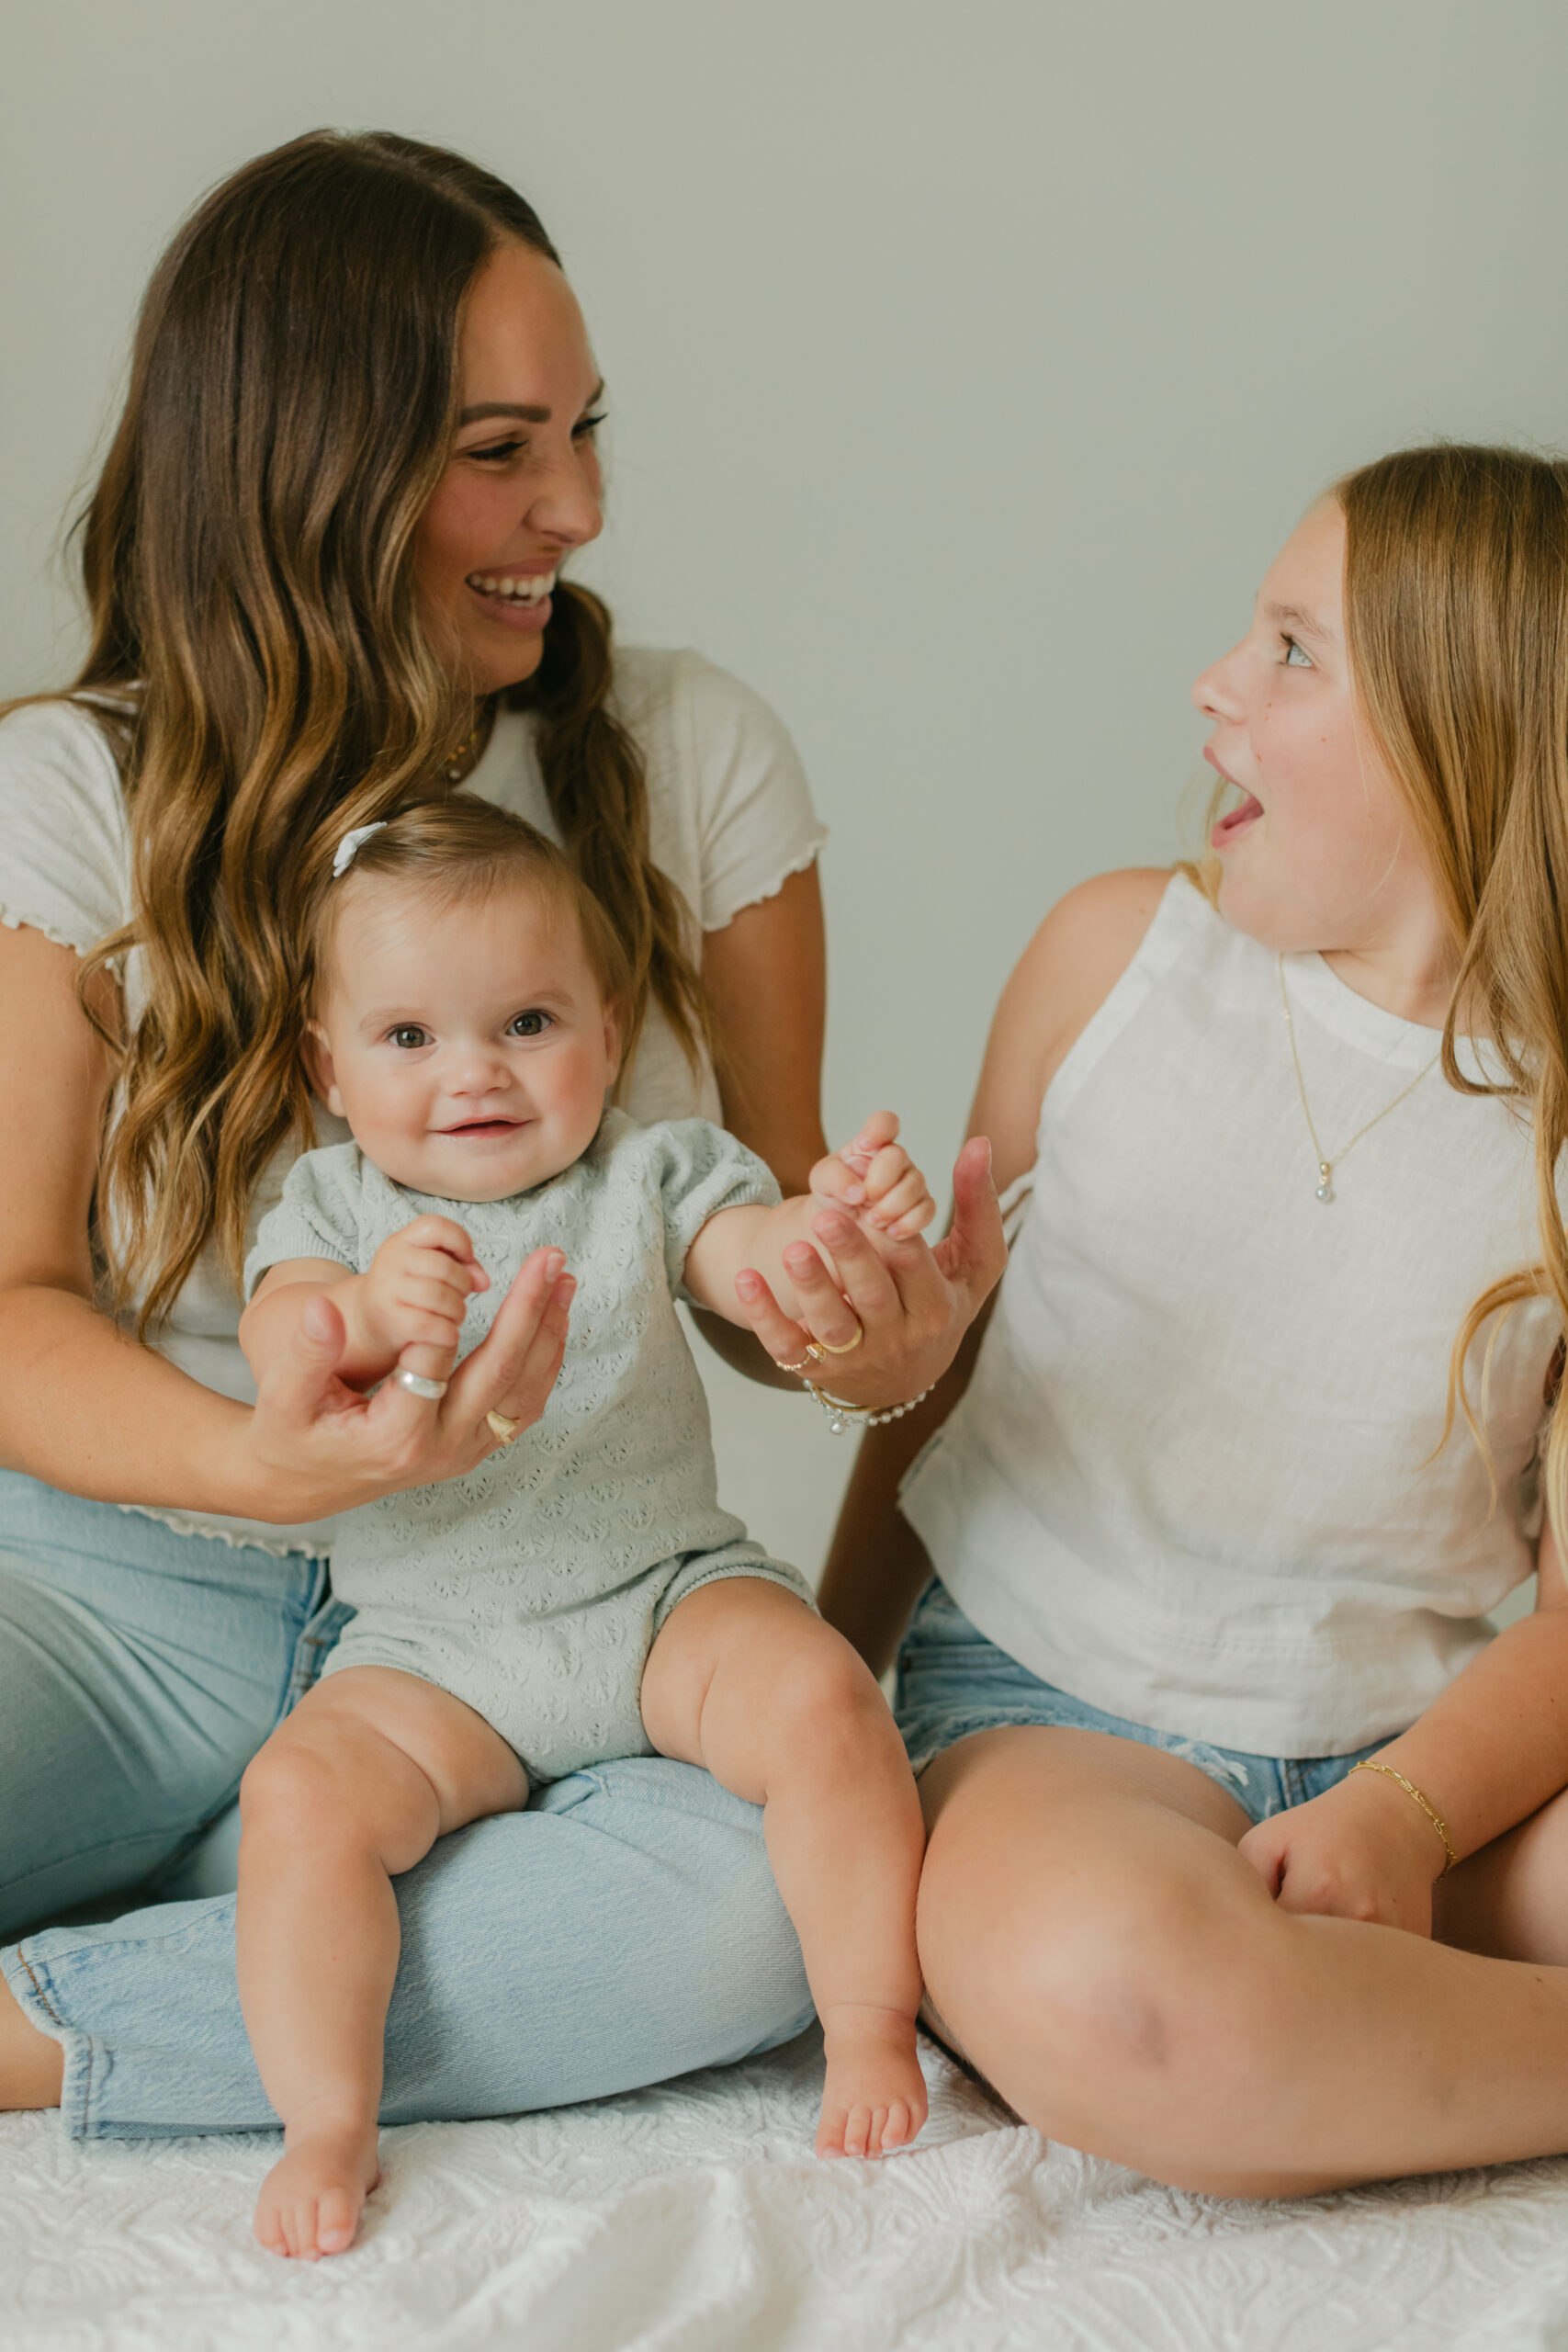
pixel 1235 820
pixel 484 1127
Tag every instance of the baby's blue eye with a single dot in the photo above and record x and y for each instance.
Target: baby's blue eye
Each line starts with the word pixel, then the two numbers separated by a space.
pixel 529 1025
pixel 1296 656
pixel 409 1037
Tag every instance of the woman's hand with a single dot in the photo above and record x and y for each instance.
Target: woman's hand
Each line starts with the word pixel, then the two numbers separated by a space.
pixel 913 1305
pixel 313 1446
pixel 1363 1850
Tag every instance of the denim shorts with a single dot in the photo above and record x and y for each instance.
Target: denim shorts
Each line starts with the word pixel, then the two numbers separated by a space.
pixel 953 1681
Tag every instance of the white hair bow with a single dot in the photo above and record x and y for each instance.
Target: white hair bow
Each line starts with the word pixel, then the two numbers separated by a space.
pixel 348 848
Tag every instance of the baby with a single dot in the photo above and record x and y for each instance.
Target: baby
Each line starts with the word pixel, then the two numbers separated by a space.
pixel 579 1595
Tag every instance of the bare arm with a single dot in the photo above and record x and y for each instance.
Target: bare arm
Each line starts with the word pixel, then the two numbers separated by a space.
pixel 407 1307
pixel 872 1180
pixel 1486 1754
pixel 877 1564
pixel 86 1408
pixel 766 976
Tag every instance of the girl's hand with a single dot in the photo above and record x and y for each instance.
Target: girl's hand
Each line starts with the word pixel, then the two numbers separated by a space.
pixel 911 1305
pixel 313 1446
pixel 409 1304
pixel 1362 1851
pixel 876 1177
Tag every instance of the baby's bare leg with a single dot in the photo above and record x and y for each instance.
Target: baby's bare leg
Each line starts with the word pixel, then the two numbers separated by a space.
pixel 746 1681
pixel 352 1789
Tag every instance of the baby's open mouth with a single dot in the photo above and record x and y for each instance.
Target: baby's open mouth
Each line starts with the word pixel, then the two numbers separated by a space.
pixel 482 1127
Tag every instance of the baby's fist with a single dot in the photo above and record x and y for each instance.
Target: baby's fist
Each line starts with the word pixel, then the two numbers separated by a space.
pixel 876 1177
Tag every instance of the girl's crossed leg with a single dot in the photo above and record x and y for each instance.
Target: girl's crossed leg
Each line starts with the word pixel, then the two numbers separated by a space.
pixel 1096 1946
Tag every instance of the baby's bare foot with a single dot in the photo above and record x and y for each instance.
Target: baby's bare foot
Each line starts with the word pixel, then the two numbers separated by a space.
pixel 310 2199
pixel 875 2096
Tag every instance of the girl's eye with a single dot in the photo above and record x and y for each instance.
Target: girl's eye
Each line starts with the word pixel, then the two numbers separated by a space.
pixel 529 1025
pixel 410 1036
pixel 588 427
pixel 1296 656
pixel 497 452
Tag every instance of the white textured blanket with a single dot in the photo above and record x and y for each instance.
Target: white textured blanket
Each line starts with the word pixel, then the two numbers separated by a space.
pixel 694 2219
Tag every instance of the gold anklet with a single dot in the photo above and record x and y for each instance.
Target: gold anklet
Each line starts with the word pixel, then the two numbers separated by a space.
pixel 1433 1816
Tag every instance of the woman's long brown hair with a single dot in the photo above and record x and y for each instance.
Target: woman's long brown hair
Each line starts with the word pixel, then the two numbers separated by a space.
pixel 247 558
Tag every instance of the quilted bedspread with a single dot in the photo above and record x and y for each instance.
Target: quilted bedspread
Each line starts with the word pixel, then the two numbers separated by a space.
pixel 694 2218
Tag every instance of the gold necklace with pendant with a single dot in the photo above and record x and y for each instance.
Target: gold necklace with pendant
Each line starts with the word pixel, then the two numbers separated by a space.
pixel 1326 1161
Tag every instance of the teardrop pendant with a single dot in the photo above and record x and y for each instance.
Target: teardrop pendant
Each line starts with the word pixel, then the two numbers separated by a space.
pixel 1324 1180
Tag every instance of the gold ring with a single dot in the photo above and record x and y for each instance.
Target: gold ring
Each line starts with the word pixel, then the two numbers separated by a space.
pixel 807 1361
pixel 849 1346
pixel 504 1427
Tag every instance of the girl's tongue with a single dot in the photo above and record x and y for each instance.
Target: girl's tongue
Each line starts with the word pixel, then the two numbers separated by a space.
pixel 1235 820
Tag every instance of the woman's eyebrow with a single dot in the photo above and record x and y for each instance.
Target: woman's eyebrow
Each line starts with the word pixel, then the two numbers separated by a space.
pixel 504 408
pixel 529 415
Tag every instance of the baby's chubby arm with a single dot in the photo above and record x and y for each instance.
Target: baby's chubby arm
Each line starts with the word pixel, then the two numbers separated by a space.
pixel 873 1177
pixel 406 1308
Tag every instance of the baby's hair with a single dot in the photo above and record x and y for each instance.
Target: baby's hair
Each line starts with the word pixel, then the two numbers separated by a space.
pixel 465 848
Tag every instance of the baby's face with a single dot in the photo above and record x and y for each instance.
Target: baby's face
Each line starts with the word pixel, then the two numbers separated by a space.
pixel 468 1046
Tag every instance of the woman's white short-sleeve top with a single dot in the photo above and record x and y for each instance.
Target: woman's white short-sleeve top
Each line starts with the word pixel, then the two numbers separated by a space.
pixel 729 820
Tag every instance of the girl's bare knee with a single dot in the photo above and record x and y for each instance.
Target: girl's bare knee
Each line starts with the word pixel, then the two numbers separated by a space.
pixel 1123 2010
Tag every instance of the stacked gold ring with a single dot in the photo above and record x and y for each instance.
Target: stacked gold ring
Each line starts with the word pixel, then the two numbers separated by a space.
pixel 818 1350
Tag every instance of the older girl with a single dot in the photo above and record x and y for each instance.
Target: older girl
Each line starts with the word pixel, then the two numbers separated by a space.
pixel 1247 1862
pixel 324 566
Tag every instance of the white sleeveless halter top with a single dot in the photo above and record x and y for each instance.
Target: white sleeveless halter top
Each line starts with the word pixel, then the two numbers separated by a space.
pixel 1189 1482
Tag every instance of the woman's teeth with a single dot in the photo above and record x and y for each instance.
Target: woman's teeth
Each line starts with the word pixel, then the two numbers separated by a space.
pixel 530 589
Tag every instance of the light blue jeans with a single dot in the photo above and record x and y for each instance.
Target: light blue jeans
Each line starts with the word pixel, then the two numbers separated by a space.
pixel 624 1928
pixel 954 1681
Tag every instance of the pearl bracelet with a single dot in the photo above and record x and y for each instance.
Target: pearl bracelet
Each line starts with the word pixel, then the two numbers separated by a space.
pixel 842 1417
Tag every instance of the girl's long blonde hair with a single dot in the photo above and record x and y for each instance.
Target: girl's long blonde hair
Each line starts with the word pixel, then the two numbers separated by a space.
pixel 1456 614
pixel 247 559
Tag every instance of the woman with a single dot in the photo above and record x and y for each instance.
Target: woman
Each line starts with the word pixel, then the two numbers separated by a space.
pixel 322 566
pixel 1247 1846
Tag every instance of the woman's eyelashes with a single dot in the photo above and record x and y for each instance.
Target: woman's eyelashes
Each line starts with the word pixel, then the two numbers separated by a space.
pixel 500 452
pixel 1296 655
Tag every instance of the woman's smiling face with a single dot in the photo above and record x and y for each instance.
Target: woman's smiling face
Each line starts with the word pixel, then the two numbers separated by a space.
pixel 1318 853
pixel 521 486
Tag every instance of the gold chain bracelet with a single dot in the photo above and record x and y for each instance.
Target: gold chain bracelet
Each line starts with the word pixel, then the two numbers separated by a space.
pixel 1433 1816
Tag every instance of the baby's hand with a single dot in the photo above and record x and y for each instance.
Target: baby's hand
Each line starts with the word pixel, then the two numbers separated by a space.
pixel 876 1177
pixel 413 1295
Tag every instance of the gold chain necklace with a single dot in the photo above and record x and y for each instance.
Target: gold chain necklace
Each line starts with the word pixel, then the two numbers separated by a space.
pixel 466 758
pixel 1328 1163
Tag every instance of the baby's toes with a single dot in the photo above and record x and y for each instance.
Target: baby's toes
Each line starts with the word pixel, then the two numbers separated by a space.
pixel 337 2218
pixel 269 2229
pixel 830 2131
pixel 857 2131
pixel 899 2128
